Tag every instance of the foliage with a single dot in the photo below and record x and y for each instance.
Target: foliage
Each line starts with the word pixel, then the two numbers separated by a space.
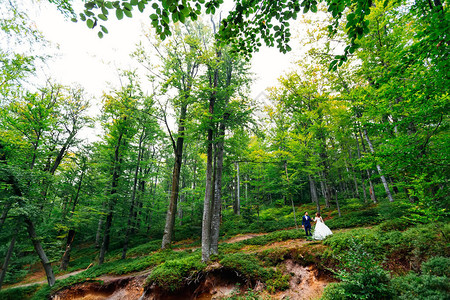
pixel 361 276
pixel 171 274
pixel 356 219
pixel 278 282
pixel 414 286
pixel 247 265
pixel 24 293
pixel 437 266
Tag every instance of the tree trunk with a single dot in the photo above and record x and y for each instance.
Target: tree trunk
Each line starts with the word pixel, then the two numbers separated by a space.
pixel 99 227
pixel 290 195
pixel 40 251
pixel 371 190
pixel 314 198
pixel 133 197
pixel 207 207
pixel 217 203
pixel 172 210
pixel 66 257
pixel 112 200
pixel 337 203
pixel 237 205
pixel 380 171
pixel 7 258
pixel 4 214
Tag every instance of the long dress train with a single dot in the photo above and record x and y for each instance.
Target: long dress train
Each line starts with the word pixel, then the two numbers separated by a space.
pixel 321 231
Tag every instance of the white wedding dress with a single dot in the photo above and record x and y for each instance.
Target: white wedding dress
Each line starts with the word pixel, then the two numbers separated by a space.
pixel 321 231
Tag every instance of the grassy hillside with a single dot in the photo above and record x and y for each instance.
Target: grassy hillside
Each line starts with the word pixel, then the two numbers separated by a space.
pixel 374 253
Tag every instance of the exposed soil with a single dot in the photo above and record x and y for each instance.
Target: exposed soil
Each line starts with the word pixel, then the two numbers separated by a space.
pixel 124 288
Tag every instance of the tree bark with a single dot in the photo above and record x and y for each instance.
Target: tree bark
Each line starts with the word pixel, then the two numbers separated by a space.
pixel 133 196
pixel 371 190
pixel 172 210
pixel 7 258
pixel 113 199
pixel 380 171
pixel 312 188
pixel 217 203
pixel 290 194
pixel 66 256
pixel 207 205
pixel 40 251
pixel 237 205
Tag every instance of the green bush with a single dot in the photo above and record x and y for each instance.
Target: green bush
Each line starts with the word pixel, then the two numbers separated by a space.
pixel 278 282
pixel 247 265
pixel 438 266
pixel 413 286
pixel 171 274
pixel 18 293
pixel 366 217
pixel 361 276
pixel 334 291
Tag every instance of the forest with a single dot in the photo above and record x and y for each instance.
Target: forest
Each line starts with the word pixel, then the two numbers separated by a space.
pixel 179 184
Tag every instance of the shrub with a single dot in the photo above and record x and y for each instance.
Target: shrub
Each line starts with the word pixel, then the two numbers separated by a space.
pixel 413 286
pixel 356 218
pixel 171 274
pixel 361 276
pixel 18 293
pixel 334 291
pixel 278 282
pixel 247 265
pixel 438 266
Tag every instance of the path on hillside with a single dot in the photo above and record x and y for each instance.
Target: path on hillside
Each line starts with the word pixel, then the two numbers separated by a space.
pixel 235 239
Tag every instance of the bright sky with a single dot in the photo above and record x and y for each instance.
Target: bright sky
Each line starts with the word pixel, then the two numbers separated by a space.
pixel 92 62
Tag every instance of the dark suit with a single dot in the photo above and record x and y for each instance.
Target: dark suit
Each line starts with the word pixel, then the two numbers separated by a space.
pixel 306 223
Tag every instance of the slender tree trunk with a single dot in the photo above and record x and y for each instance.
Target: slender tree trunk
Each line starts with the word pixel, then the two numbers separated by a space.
pixel 66 256
pixel 325 190
pixel 172 210
pixel 99 227
pixel 337 203
pixel 217 203
pixel 237 205
pixel 371 190
pixel 40 251
pixel 112 200
pixel 7 258
pixel 290 195
pixel 207 207
pixel 4 214
pixel 380 171
pixel 133 197
pixel 314 198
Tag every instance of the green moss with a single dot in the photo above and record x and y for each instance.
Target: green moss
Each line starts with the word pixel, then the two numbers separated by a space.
pixel 19 292
pixel 278 282
pixel 171 274
pixel 247 265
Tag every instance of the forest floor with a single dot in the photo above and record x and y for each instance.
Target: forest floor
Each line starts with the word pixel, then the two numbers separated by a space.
pixel 38 276
pixel 306 282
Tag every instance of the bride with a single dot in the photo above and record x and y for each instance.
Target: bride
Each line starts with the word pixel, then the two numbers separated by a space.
pixel 321 230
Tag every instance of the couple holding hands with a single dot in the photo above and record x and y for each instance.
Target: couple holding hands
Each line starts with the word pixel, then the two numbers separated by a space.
pixel 321 230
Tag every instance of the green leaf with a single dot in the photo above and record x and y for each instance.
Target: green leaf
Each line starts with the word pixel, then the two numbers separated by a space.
pixel 119 14
pixel 100 34
pixel 141 6
pixel 102 17
pixel 155 5
pixel 104 29
pixel 128 13
pixel 154 16
pixel 90 23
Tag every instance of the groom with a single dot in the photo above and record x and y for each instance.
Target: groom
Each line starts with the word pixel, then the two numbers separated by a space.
pixel 306 224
